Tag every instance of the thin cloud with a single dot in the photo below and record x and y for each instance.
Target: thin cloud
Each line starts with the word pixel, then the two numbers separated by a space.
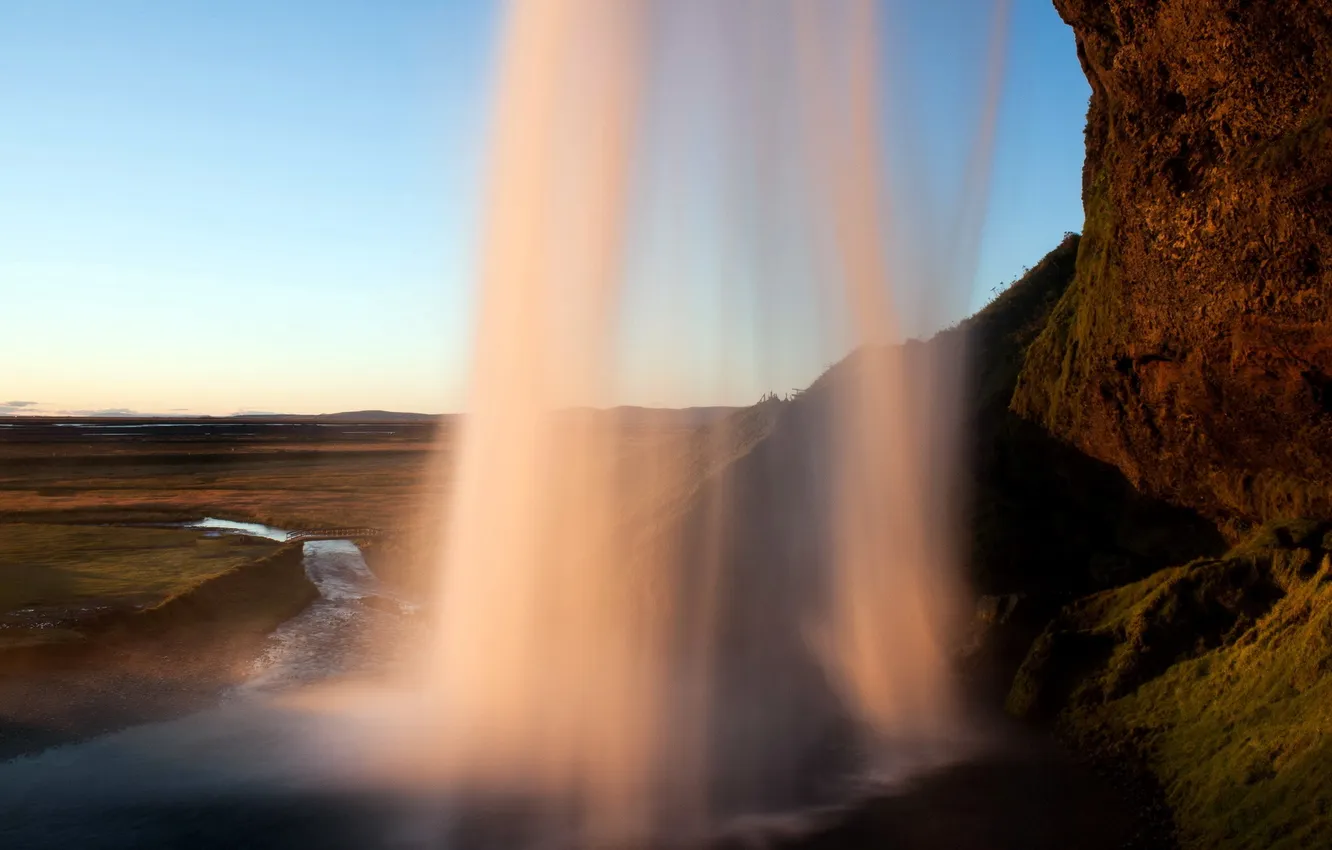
pixel 109 411
pixel 16 406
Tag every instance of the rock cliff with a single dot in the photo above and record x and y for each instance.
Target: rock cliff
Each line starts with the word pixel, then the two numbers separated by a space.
pixel 1193 349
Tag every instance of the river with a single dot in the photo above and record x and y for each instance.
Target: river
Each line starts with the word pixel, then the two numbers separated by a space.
pixel 282 763
pixel 245 773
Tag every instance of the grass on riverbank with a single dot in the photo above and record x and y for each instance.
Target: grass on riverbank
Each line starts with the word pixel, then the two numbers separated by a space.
pixel 51 575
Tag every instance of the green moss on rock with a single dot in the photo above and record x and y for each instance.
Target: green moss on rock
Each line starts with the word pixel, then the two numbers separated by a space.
pixel 1213 675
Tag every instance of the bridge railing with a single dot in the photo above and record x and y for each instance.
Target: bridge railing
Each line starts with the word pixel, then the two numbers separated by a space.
pixel 335 533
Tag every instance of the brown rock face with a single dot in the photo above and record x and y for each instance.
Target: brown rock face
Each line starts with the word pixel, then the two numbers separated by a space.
pixel 1194 348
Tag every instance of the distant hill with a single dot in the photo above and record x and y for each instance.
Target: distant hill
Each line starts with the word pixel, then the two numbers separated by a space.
pixel 685 417
pixel 345 416
pixel 380 416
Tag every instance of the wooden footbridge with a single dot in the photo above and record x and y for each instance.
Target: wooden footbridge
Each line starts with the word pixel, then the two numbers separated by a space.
pixel 359 533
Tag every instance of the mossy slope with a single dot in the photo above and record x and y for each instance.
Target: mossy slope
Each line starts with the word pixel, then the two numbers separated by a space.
pixel 1212 675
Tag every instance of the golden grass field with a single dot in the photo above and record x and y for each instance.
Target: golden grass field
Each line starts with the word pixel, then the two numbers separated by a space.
pixel 66 514
pixel 72 511
pixel 287 487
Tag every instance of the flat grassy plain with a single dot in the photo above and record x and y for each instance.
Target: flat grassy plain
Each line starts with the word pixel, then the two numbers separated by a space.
pixel 72 492
pixel 286 486
pixel 108 618
pixel 73 500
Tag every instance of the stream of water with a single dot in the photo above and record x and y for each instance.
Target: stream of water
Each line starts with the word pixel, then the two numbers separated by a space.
pixel 268 743
pixel 352 628
pixel 156 785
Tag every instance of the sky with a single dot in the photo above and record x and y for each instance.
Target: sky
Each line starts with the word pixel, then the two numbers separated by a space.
pixel 257 206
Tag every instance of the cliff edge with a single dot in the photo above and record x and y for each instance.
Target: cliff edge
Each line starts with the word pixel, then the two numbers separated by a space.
pixel 1193 349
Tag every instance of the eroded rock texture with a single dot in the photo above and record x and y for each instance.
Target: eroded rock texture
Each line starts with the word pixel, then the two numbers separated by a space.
pixel 1194 348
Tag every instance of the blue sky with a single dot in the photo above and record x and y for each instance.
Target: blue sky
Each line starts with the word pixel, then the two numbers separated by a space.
pixel 259 205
